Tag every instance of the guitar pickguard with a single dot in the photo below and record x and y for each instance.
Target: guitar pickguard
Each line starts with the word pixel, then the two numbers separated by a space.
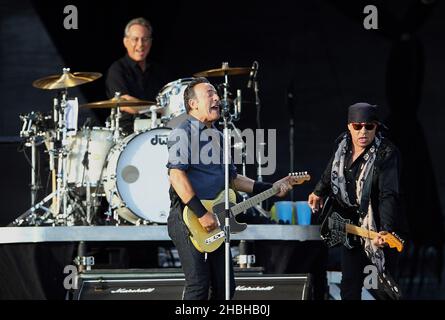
pixel 337 231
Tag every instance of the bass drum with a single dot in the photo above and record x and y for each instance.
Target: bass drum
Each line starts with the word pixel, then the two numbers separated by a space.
pixel 136 180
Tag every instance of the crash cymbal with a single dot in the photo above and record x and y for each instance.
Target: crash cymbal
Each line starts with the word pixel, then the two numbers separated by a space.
pixel 115 102
pixel 66 80
pixel 222 72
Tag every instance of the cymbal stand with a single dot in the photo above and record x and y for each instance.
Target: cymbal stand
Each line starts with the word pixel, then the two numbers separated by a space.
pixel 58 149
pixel 34 185
pixel 115 118
pixel 64 205
pixel 154 117
pixel 62 153
pixel 85 163
pixel 237 106
pixel 30 133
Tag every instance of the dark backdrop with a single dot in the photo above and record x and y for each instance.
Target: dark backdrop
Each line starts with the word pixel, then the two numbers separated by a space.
pixel 316 50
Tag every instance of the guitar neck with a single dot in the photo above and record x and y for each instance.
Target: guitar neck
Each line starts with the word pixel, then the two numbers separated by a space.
pixel 243 206
pixel 362 232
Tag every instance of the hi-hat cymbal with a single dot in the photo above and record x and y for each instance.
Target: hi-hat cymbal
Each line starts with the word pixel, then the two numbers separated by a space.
pixel 118 102
pixel 222 72
pixel 66 80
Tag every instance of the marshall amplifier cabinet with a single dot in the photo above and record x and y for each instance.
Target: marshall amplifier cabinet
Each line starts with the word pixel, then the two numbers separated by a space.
pixel 130 284
pixel 160 284
pixel 273 287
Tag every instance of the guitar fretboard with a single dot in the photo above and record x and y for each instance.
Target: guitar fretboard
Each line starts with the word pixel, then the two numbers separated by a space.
pixel 243 206
pixel 350 228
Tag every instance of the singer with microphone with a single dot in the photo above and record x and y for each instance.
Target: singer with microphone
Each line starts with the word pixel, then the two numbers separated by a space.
pixel 192 181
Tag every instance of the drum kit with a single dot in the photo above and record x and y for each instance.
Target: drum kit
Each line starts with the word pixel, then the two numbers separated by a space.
pixel 91 164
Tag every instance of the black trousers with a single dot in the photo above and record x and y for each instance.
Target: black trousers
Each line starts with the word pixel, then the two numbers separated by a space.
pixel 204 273
pixel 353 263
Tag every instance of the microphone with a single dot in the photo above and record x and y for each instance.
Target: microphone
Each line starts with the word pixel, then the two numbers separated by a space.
pixel 224 107
pixel 252 75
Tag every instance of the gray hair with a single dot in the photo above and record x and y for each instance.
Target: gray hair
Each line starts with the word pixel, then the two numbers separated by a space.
pixel 189 92
pixel 142 21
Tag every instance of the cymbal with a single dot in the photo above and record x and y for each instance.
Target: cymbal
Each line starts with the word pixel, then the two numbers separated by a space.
pixel 118 102
pixel 222 72
pixel 66 80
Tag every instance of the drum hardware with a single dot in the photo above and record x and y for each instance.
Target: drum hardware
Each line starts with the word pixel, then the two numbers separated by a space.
pixel 29 217
pixel 61 203
pixel 33 131
pixel 64 200
pixel 85 163
pixel 35 187
pixel 154 116
pixel 151 122
pixel 238 102
pixel 115 104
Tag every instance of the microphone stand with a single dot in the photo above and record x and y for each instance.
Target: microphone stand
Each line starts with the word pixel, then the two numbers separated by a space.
pixel 290 105
pixel 226 118
pixel 258 123
pixel 257 102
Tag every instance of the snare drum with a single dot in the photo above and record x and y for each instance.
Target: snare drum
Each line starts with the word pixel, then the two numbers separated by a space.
pixel 136 178
pixel 88 147
pixel 171 99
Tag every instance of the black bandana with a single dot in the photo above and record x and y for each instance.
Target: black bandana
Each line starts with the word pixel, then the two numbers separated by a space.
pixel 362 112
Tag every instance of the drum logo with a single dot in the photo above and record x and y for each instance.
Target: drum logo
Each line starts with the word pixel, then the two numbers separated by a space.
pixel 159 139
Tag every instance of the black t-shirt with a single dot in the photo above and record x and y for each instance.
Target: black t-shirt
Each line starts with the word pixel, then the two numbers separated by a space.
pixel 126 76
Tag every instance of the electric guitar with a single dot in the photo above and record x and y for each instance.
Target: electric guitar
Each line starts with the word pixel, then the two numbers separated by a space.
pixel 210 241
pixel 335 228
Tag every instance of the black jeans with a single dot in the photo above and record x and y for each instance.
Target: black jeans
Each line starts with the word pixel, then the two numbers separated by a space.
pixel 353 262
pixel 204 276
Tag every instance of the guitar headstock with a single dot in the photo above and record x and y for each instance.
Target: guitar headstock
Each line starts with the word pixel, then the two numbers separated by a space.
pixel 393 241
pixel 299 177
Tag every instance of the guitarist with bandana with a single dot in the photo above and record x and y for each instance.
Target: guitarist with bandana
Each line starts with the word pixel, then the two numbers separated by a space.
pixel 362 181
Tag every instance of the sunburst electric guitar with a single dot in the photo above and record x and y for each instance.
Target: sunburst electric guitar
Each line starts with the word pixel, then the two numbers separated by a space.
pixel 210 241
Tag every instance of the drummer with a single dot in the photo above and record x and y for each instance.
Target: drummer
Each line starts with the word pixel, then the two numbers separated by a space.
pixel 133 75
